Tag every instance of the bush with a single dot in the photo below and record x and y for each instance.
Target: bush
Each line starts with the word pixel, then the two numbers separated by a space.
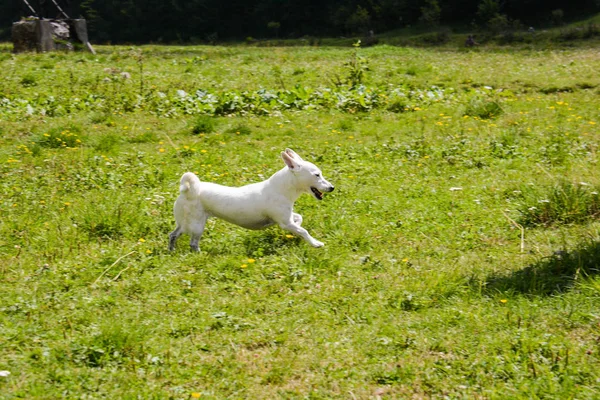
pixel 484 109
pixel 203 124
pixel 359 21
pixel 431 13
pixel 107 143
pixel 558 17
pixel 577 33
pixel 240 129
pixel 435 38
pixel 61 137
pixel 562 203
pixel 29 80
pixel 397 106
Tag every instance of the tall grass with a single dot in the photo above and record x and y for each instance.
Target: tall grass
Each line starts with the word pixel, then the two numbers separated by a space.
pixel 562 203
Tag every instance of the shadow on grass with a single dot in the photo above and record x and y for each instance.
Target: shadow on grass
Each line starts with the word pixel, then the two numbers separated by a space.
pixel 551 275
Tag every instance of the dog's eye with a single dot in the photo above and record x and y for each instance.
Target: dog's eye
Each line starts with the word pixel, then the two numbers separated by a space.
pixel 317 175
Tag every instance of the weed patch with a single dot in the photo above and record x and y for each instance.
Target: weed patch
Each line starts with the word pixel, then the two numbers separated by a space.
pixel 203 124
pixel 562 203
pixel 240 129
pixel 483 109
pixel 61 137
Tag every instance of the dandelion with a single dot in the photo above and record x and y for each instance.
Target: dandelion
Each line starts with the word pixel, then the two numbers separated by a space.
pixel 289 236
pixel 141 240
pixel 196 395
pixel 67 204
pixel 148 251
pixel 244 266
pixel 161 150
pixel 503 301
pixel 203 151
pixel 405 260
pixel 251 260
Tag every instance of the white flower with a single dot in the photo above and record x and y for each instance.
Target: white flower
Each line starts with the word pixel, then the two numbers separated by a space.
pixel 454 189
pixel 4 373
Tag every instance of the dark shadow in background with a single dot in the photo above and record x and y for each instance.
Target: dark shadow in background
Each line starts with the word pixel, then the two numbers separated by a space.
pixel 551 275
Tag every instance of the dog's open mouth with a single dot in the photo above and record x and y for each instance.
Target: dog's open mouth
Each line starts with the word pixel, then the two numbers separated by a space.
pixel 316 192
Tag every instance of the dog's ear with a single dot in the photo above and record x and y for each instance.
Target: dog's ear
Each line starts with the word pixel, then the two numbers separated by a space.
pixel 293 154
pixel 289 161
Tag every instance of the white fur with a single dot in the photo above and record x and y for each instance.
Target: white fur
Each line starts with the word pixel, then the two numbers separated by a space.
pixel 255 206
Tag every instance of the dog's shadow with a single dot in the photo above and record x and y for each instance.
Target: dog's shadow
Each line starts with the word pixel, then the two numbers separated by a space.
pixel 268 242
pixel 555 274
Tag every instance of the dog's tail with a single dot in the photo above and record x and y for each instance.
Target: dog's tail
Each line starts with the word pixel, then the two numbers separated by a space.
pixel 189 185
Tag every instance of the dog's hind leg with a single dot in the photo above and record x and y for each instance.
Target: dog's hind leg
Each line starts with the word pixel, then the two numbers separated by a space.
pixel 173 236
pixel 196 234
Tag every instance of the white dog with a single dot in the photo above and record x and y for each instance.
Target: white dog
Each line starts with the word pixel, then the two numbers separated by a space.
pixel 254 206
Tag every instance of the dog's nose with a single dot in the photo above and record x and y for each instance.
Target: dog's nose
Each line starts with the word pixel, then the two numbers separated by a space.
pixel 331 188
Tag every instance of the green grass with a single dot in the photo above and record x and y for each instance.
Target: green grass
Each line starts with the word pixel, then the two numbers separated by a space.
pixel 438 277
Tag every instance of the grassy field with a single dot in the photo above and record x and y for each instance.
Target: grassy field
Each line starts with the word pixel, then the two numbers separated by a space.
pixel 461 249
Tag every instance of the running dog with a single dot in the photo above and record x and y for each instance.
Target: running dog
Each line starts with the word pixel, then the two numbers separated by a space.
pixel 254 206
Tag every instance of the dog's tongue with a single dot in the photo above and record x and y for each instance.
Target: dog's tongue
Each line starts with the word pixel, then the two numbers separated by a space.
pixel 317 193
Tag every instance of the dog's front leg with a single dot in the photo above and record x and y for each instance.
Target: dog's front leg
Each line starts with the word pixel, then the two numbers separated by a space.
pixel 196 233
pixel 303 233
pixel 297 219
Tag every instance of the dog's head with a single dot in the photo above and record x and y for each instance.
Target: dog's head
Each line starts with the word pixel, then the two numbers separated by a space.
pixel 310 179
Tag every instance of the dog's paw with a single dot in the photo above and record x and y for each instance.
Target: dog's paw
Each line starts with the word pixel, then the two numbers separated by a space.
pixel 316 243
